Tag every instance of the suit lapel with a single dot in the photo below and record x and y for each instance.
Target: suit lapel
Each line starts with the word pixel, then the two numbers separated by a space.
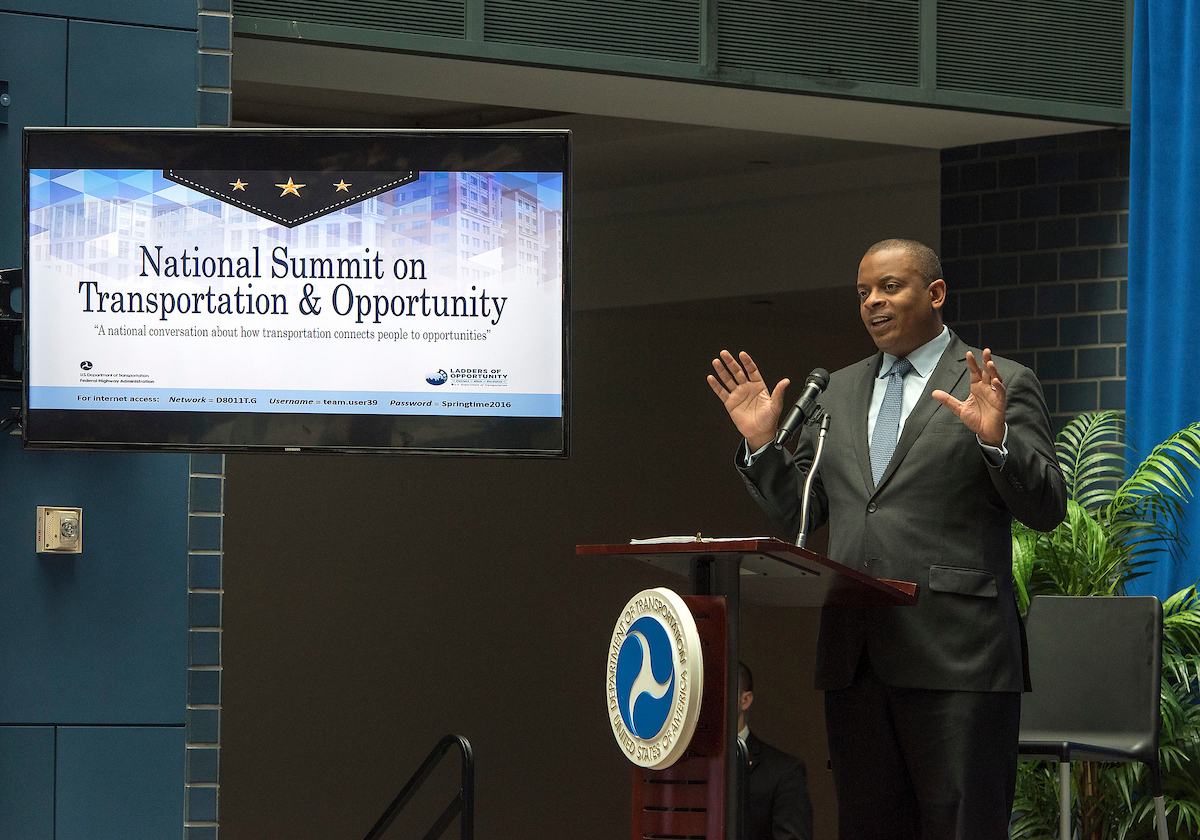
pixel 859 410
pixel 951 368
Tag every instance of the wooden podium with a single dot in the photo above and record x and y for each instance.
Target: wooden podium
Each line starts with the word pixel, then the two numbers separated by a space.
pixel 698 796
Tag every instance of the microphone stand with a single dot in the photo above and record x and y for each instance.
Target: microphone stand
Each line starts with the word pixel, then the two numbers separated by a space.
pixel 802 537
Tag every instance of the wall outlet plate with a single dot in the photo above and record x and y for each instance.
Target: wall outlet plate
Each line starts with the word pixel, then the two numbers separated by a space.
pixel 59 530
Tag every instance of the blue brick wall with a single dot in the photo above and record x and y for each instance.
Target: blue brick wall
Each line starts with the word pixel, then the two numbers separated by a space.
pixel 1034 246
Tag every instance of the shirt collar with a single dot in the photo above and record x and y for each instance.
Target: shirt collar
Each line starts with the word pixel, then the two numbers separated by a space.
pixel 924 359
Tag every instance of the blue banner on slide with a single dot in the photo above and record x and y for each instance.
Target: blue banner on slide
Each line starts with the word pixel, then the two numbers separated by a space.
pixel 474 404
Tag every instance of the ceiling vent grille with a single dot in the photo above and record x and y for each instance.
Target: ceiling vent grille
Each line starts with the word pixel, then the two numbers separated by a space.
pixel 851 40
pixel 1064 50
pixel 446 18
pixel 664 30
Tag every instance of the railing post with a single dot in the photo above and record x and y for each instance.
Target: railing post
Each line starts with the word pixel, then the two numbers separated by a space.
pixel 463 802
pixel 467 790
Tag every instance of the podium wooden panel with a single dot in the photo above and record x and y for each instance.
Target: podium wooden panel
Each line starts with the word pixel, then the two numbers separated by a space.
pixel 688 798
pixel 697 797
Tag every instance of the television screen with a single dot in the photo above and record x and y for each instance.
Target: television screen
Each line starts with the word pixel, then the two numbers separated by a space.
pixel 328 290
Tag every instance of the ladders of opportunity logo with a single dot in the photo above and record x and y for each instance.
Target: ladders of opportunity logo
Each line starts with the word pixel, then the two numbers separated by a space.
pixel 655 678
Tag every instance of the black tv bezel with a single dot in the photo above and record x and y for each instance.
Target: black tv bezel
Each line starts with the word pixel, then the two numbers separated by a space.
pixel 495 150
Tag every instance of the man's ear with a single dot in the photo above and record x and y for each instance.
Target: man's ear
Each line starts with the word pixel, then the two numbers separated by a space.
pixel 937 293
pixel 744 701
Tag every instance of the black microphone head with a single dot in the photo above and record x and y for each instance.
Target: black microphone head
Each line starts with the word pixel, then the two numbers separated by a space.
pixel 819 377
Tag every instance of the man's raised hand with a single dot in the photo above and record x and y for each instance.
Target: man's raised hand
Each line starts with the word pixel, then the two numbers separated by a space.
pixel 983 411
pixel 740 386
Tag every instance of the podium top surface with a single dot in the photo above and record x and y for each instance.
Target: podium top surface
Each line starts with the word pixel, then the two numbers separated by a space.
pixel 772 571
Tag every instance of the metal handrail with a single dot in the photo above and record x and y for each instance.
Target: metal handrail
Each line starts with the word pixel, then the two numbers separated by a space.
pixel 463 803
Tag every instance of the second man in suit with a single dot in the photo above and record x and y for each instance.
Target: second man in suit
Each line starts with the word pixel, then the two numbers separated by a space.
pixel 777 802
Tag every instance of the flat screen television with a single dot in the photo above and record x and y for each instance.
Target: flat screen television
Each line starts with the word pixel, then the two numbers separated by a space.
pixel 286 290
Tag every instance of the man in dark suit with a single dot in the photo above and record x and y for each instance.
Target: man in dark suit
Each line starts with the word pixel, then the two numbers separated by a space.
pixel 932 450
pixel 777 803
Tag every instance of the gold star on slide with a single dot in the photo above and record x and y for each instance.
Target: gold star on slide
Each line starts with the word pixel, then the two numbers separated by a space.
pixel 290 187
pixel 239 184
pixel 342 186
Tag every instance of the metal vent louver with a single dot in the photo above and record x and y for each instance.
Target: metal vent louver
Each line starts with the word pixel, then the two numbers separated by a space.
pixel 1065 50
pixel 853 40
pixel 655 29
pixel 446 18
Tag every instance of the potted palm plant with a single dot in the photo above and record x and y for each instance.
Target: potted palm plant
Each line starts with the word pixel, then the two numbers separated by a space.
pixel 1118 515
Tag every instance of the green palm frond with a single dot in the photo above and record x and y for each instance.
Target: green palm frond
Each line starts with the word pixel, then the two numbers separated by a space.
pixel 1035 809
pixel 1024 552
pixel 1148 506
pixel 1114 524
pixel 1181 627
pixel 1091 453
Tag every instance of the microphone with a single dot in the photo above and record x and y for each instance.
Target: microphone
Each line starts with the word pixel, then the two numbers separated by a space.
pixel 805 408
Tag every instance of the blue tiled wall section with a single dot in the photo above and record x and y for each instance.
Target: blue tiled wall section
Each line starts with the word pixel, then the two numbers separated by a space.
pixel 206 510
pixel 1035 241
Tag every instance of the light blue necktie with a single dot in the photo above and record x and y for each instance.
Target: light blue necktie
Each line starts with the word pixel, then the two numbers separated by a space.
pixel 887 424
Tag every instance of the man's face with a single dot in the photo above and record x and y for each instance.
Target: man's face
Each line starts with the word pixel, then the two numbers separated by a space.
pixel 899 311
pixel 745 698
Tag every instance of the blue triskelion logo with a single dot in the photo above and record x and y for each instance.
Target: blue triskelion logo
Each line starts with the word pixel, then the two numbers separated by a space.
pixel 438 377
pixel 655 678
pixel 645 677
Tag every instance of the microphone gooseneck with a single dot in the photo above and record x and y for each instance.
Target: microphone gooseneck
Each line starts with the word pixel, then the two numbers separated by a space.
pixel 802 536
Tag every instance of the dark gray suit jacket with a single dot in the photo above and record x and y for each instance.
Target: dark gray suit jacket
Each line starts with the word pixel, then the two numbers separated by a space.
pixel 777 802
pixel 940 517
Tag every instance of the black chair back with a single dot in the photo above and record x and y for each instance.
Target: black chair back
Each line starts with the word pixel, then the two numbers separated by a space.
pixel 1096 668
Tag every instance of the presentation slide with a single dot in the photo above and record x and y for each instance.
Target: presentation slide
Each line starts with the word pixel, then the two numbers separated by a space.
pixel 419 293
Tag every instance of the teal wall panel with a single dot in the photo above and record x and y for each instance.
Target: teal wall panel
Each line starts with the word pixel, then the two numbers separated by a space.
pixel 119 783
pixel 98 637
pixel 102 637
pixel 180 14
pixel 131 76
pixel 33 60
pixel 27 782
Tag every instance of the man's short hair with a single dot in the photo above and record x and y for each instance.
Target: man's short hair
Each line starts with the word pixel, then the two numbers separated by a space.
pixel 745 678
pixel 924 260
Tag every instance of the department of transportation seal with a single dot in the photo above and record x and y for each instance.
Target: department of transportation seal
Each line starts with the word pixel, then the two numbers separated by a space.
pixel 655 678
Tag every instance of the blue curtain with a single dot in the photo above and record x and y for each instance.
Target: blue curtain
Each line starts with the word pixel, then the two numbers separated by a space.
pixel 1163 353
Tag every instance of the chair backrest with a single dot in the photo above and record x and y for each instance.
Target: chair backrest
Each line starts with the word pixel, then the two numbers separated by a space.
pixel 1096 668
